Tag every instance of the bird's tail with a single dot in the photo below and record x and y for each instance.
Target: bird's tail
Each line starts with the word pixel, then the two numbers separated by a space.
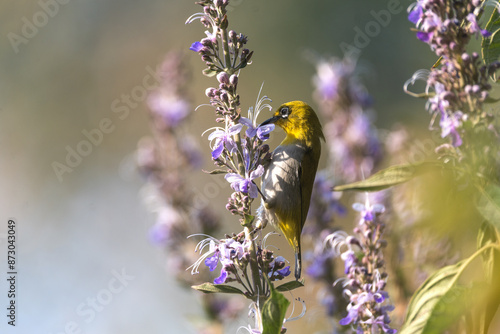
pixel 298 263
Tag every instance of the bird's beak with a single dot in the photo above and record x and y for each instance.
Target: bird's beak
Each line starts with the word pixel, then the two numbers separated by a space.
pixel 271 120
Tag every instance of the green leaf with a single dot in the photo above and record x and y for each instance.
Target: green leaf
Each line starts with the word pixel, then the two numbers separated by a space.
pixel 391 176
pixel 215 171
pixel 441 300
pixel 422 307
pixel 490 46
pixel 209 72
pixel 488 204
pixel 273 312
pixel 217 288
pixel 489 235
pixel 289 286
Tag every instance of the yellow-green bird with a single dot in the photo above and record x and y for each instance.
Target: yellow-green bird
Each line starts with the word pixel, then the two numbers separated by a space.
pixel 288 180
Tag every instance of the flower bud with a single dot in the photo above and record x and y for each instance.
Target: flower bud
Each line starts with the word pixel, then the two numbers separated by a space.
pixel 224 97
pixel 223 78
pixel 233 80
pixel 210 92
pixel 466 57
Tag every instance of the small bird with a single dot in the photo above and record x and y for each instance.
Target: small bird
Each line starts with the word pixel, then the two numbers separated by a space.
pixel 288 179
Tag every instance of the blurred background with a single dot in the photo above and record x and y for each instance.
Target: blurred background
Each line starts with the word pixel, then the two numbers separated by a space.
pixel 83 229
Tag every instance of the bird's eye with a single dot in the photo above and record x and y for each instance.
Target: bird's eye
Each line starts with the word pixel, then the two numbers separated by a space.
pixel 284 112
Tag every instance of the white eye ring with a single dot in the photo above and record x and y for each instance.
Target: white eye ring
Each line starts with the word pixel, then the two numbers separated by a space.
pixel 284 112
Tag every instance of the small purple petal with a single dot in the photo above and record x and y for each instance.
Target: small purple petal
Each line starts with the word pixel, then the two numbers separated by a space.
pixel 244 185
pixel 218 150
pixel 233 177
pixel 263 131
pixel 424 36
pixel 196 46
pixel 258 172
pixel 349 261
pixel 216 134
pixel 246 121
pixel 234 129
pixel 212 261
pixel 285 271
pixel 252 191
pixel 351 315
pixel 415 14
pixel 359 207
pixel 381 296
pixel 222 278
pixel 368 215
pixel 485 33
pixel 159 234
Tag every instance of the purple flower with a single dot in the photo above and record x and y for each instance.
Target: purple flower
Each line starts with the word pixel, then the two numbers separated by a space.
pixel 416 13
pixel 224 138
pixel 329 76
pixel 167 218
pixel 318 267
pixel 222 278
pixel 285 271
pixel 368 212
pixel 262 132
pixel 430 22
pixel 449 125
pixel 196 46
pixel 475 28
pixel 349 260
pixel 245 184
pixel 159 234
pixel 275 272
pixel 170 108
pixel 352 315
pixel 424 36
pixel 212 261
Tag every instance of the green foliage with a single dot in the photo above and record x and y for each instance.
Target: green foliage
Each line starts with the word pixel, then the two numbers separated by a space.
pixel 488 204
pixel 273 312
pixel 428 301
pixel 489 236
pixel 217 288
pixel 289 286
pixel 216 171
pixel 442 301
pixel 490 46
pixel 391 176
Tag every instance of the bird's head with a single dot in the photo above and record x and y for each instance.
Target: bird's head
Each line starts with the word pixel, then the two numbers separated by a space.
pixel 298 120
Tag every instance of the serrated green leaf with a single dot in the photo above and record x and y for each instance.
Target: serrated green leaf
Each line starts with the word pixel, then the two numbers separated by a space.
pixel 389 177
pixel 488 204
pixel 289 286
pixel 217 288
pixel 490 46
pixel 273 312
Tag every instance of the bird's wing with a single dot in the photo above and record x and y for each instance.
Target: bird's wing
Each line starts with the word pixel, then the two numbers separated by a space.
pixel 307 174
pixel 281 186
